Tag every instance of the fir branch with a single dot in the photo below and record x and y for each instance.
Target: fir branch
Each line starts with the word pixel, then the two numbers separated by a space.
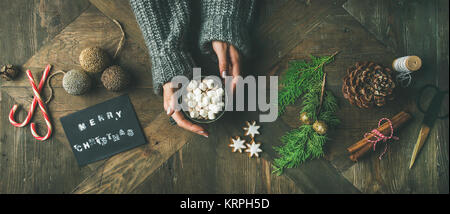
pixel 301 76
pixel 305 80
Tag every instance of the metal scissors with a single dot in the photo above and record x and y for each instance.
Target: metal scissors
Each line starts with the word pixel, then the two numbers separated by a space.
pixel 430 116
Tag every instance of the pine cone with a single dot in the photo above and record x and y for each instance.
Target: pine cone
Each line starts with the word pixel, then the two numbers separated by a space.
pixel 8 72
pixel 368 84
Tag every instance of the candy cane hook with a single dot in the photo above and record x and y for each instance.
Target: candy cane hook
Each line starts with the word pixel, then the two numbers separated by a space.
pixel 43 110
pixel 37 99
pixel 33 104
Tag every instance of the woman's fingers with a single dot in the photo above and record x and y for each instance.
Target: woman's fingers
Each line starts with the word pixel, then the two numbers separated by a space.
pixel 185 124
pixel 169 104
pixel 221 49
pixel 235 64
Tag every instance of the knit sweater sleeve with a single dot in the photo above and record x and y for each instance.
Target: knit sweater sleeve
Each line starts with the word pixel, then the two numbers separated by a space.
pixel 164 24
pixel 228 21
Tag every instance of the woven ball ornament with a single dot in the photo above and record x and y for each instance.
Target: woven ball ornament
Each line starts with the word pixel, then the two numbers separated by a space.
pixel 76 82
pixel 115 79
pixel 94 60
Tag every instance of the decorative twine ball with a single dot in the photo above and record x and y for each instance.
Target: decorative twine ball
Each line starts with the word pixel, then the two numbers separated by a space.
pixel 76 82
pixel 320 127
pixel 94 60
pixel 304 118
pixel 8 72
pixel 115 79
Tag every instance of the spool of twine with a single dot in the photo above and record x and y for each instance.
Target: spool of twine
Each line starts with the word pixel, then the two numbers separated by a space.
pixel 405 66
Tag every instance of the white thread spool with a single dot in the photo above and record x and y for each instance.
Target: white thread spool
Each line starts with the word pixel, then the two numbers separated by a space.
pixel 405 66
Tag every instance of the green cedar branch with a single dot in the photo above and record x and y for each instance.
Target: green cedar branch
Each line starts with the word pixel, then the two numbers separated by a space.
pixel 305 79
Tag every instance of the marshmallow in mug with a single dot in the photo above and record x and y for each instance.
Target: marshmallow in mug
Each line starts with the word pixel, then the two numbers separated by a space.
pixel 204 99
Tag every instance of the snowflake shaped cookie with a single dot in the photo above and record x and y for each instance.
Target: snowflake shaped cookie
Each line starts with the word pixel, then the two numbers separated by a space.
pixel 251 129
pixel 237 144
pixel 253 149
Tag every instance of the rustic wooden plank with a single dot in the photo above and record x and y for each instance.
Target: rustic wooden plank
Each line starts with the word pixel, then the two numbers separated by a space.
pixel 313 176
pixel 89 185
pixel 442 127
pixel 124 172
pixel 27 25
pixel 89 29
pixel 192 164
pixel 121 11
pixel 341 32
pixel 287 28
pixel 205 167
pixel 401 26
pixel 28 166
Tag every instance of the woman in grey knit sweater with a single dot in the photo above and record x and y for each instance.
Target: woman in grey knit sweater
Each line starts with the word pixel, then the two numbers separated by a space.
pixel 164 25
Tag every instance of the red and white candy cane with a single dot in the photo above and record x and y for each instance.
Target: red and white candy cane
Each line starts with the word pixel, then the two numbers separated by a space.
pixel 37 99
pixel 33 104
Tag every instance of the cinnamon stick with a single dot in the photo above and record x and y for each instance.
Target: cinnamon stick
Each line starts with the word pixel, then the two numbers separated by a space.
pixel 361 152
pixel 362 146
pixel 384 129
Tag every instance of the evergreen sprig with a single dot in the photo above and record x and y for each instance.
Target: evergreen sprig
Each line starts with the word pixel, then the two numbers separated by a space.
pixel 304 79
pixel 300 77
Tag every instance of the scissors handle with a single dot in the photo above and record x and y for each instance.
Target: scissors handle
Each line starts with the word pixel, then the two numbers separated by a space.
pixel 437 97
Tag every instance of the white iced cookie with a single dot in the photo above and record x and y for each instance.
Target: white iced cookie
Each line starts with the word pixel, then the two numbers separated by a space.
pixel 237 144
pixel 251 129
pixel 253 149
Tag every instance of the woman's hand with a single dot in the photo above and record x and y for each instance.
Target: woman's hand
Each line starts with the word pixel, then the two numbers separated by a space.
pixel 229 60
pixel 169 106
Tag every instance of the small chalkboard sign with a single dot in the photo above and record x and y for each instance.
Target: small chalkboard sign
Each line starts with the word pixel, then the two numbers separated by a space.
pixel 103 130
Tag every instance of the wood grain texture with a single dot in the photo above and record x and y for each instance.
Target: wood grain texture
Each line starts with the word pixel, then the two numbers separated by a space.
pixel 315 184
pixel 176 161
pixel 287 27
pixel 409 28
pixel 202 163
pixel 27 25
pixel 90 29
pixel 28 166
pixel 442 61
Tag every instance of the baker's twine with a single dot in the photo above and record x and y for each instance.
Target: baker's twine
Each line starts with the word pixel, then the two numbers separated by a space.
pixel 380 137
pixel 404 78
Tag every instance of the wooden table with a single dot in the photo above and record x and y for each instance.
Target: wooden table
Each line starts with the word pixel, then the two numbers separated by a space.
pixel 55 31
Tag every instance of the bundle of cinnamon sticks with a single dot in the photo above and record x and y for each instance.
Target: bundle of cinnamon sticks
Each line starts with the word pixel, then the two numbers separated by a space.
pixel 361 147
